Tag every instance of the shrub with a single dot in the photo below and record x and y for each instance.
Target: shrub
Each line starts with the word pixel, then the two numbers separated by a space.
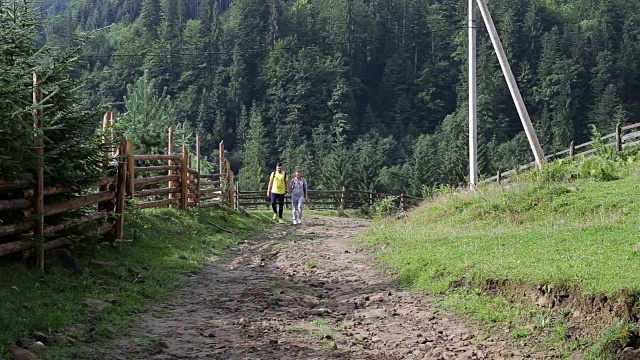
pixel 385 207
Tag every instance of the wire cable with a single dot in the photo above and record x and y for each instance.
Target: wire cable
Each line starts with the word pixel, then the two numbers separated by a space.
pixel 267 49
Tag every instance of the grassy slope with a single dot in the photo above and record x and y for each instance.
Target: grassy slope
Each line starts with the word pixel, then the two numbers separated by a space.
pixel 580 234
pixel 159 237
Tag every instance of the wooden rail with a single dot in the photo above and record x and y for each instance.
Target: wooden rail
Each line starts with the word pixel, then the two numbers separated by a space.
pixel 333 199
pixel 24 205
pixel 622 138
pixel 136 180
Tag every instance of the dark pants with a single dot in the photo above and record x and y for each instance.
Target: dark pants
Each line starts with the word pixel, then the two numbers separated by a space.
pixel 279 198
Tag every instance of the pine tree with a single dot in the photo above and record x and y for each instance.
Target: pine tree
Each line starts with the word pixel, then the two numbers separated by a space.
pixel 424 164
pixel 237 82
pixel 275 13
pixel 341 104
pixel 242 127
pixel 602 115
pixel 72 156
pixel 252 175
pixel 17 58
pixel 150 18
pixel 148 115
pixel 369 155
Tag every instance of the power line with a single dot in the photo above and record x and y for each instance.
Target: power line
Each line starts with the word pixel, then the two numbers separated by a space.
pixel 264 49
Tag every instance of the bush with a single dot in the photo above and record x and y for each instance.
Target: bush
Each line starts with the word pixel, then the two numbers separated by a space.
pixel 385 207
pixel 600 168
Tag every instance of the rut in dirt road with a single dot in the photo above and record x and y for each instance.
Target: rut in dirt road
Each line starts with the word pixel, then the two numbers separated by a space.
pixel 303 292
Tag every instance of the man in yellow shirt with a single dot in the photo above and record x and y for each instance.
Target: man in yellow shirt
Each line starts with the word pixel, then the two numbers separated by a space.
pixel 278 187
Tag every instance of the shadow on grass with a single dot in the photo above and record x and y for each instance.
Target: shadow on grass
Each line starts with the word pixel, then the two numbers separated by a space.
pixel 163 248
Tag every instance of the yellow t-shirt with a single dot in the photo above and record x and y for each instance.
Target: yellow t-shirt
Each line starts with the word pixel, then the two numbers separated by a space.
pixel 280 181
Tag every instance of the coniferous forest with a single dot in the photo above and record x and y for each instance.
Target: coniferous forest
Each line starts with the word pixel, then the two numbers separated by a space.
pixel 367 94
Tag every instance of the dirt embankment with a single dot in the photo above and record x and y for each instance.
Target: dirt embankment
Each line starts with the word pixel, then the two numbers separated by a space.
pixel 590 316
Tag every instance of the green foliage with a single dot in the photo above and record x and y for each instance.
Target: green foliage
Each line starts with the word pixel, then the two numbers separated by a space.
pixel 385 207
pixel 157 237
pixel 72 153
pixel 17 30
pixel 576 235
pixel 489 310
pixel 396 179
pixel 253 174
pixel 148 116
pixel 599 169
pixel 616 338
pixel 323 81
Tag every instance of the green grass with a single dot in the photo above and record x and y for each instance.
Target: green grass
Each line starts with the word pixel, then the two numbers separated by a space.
pixel 312 265
pixel 362 213
pixel 569 235
pixel 319 332
pixel 490 310
pixel 613 339
pixel 578 235
pixel 159 242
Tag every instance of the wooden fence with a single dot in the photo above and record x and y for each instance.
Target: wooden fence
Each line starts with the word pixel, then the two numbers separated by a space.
pixel 175 170
pixel 327 199
pixel 131 180
pixel 623 137
pixel 21 198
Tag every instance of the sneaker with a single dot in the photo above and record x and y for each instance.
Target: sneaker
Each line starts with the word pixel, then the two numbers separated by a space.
pixel 275 217
pixel 295 222
pixel 299 221
pixel 281 221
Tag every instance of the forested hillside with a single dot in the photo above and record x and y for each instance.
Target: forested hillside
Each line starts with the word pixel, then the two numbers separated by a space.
pixel 369 94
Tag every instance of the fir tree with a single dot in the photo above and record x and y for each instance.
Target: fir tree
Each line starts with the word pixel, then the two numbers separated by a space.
pixel 150 18
pixel 253 174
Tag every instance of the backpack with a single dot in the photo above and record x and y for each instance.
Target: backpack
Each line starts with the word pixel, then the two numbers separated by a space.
pixel 273 175
pixel 304 184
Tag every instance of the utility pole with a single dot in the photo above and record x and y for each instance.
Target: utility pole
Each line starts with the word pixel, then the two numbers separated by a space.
pixel 513 86
pixel 473 98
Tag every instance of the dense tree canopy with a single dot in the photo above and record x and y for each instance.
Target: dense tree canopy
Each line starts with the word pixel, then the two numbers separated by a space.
pixel 72 150
pixel 361 93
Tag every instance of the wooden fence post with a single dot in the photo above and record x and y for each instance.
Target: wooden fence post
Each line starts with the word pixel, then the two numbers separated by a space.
pixel 184 179
pixel 198 169
pixel 237 195
pixel 221 157
pixel 618 138
pixel 171 162
pixel 370 199
pixel 401 201
pixel 229 182
pixel 131 175
pixel 572 149
pixel 342 200
pixel 499 177
pixel 120 194
pixel 38 190
pixel 107 135
pixel 112 133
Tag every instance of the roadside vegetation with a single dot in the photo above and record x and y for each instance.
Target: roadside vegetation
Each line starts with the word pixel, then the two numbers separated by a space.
pixel 570 230
pixel 100 295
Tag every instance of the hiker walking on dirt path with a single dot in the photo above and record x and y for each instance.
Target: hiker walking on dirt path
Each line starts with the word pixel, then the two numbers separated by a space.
pixel 299 195
pixel 278 188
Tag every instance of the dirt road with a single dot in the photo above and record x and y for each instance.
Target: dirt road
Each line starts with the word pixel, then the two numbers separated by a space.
pixel 303 292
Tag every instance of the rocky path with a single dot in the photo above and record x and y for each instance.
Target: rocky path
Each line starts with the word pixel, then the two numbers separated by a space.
pixel 303 292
